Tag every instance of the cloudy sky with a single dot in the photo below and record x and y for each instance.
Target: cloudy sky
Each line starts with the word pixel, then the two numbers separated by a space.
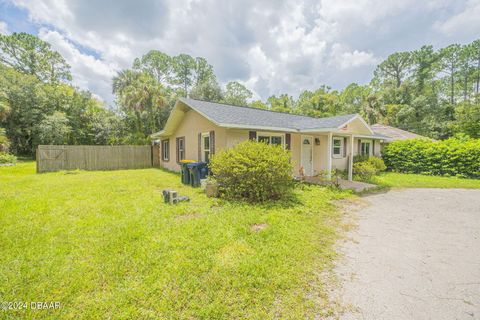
pixel 272 47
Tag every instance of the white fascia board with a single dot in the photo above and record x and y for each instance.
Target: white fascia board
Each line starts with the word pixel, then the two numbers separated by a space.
pixel 369 137
pixel 157 134
pixel 242 126
pixel 314 130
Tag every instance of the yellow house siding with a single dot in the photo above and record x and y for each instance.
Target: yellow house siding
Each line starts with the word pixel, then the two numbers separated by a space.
pixel 234 136
pixel 191 125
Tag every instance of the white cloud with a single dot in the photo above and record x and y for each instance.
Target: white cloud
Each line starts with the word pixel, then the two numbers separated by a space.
pixel 88 71
pixel 466 23
pixel 4 28
pixel 271 46
pixel 344 59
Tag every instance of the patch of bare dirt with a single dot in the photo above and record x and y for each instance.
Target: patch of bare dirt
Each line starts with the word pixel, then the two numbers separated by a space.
pixel 258 227
pixel 189 216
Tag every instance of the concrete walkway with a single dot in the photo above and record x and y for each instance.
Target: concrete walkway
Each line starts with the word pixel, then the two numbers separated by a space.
pixel 415 254
pixel 356 186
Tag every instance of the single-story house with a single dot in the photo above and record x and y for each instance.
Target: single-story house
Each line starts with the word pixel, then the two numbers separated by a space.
pixel 197 129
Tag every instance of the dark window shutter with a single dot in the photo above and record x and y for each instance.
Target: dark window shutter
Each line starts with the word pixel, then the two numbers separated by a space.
pixel 177 148
pixel 199 147
pixel 162 149
pixel 373 147
pixel 288 141
pixel 212 142
pixel 344 147
pixel 359 146
pixel 252 135
pixel 168 149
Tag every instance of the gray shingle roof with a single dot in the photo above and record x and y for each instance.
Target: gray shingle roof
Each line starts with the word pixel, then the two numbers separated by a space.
pixel 393 133
pixel 225 114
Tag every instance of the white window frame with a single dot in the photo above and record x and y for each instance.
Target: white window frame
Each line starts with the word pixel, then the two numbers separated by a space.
pixel 270 135
pixel 340 155
pixel 181 149
pixel 369 142
pixel 166 150
pixel 202 145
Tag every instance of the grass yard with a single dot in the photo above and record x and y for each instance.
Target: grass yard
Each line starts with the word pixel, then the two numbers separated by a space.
pixel 403 180
pixel 106 246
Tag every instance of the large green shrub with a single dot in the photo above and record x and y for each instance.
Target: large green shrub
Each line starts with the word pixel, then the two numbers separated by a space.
pixel 365 167
pixel 451 157
pixel 377 163
pixel 7 159
pixel 253 171
pixel 364 170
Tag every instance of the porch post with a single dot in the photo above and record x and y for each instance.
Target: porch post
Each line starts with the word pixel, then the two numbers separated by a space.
pixel 329 156
pixel 350 160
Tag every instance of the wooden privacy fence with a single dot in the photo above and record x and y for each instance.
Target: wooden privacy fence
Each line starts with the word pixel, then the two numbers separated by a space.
pixel 55 158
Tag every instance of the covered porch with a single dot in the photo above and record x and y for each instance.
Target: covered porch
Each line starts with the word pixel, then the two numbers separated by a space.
pixel 323 153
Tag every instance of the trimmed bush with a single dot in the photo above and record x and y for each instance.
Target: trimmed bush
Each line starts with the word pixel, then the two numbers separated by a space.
pixel 364 170
pixel 253 171
pixel 365 167
pixel 7 159
pixel 377 163
pixel 360 158
pixel 451 157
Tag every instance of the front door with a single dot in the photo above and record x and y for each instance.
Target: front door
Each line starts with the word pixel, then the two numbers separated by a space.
pixel 307 155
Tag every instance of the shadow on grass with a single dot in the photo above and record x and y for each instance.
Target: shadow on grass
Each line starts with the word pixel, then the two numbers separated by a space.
pixel 287 201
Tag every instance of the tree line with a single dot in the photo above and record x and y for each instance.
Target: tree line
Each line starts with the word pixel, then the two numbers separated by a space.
pixel 431 92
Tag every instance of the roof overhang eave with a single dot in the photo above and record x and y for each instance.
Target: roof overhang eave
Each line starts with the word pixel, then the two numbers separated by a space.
pixel 365 136
pixel 250 127
pixel 157 135
pixel 314 130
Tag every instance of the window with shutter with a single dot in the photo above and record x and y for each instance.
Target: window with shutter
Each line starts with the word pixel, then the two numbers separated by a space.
pixel 180 149
pixel 205 146
pixel 337 146
pixel 166 150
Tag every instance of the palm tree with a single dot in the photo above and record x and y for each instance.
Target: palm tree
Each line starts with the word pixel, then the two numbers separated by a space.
pixel 141 94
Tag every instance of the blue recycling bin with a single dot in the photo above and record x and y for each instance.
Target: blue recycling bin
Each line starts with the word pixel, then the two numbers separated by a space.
pixel 185 173
pixel 198 171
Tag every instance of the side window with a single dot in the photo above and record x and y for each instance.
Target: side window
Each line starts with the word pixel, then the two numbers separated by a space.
pixel 166 150
pixel 337 147
pixel 276 140
pixel 365 148
pixel 180 149
pixel 271 139
pixel 205 147
pixel 265 139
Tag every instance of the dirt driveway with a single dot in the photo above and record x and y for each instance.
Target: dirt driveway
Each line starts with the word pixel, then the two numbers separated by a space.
pixel 414 255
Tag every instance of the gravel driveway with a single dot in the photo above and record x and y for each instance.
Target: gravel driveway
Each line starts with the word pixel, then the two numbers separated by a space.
pixel 415 254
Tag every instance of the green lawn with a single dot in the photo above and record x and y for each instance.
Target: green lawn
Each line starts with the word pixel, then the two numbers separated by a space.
pixel 106 246
pixel 403 180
